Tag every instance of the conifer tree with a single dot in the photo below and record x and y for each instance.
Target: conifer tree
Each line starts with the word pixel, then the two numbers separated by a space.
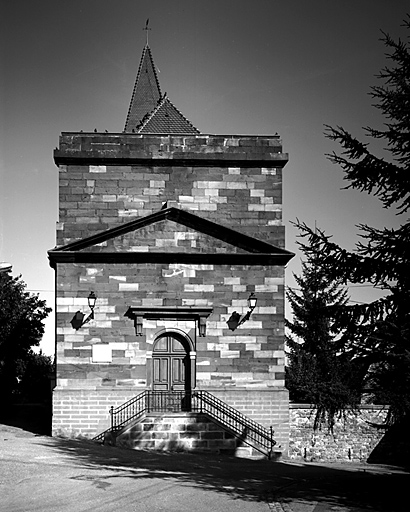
pixel 320 371
pixel 382 257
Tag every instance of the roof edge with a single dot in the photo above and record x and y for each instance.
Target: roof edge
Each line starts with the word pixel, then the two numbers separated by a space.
pixel 99 149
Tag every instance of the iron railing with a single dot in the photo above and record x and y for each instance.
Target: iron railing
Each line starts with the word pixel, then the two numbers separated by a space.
pixel 229 418
pixel 234 421
pixel 123 415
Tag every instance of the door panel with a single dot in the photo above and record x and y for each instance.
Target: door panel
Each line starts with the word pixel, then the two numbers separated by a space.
pixel 171 365
pixel 161 373
pixel 178 374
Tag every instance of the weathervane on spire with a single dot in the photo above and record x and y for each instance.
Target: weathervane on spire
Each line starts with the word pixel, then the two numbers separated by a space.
pixel 146 29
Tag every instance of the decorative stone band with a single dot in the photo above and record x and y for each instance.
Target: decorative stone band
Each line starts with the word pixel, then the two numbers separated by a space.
pixel 101 149
pixel 56 256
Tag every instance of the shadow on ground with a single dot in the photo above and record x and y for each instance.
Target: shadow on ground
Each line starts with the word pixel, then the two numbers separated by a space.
pixel 359 487
pixel 35 418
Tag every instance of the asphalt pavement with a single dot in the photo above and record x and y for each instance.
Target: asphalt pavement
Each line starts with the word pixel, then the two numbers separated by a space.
pixel 45 474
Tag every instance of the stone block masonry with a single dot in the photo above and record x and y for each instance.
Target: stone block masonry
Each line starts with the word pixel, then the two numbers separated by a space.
pixel 250 357
pixel 234 180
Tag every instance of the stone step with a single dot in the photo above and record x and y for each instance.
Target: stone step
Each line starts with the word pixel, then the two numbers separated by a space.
pixel 183 432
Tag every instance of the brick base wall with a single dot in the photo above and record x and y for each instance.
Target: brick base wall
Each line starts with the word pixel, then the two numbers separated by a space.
pixel 85 413
pixel 353 438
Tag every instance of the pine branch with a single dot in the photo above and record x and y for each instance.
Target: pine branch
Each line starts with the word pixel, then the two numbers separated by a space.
pixel 368 173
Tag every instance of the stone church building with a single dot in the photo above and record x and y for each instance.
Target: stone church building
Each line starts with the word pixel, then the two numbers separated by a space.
pixel 169 275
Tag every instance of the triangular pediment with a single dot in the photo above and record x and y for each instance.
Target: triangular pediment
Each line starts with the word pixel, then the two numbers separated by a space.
pixel 172 232
pixel 165 235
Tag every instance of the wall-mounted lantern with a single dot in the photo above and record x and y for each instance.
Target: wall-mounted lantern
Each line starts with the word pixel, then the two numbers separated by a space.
pixel 252 301
pixel 202 326
pixel 92 299
pixel 78 319
pixel 235 320
pixel 138 325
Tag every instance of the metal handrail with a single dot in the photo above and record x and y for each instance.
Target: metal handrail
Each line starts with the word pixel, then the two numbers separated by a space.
pixel 244 428
pixel 122 415
pixel 230 418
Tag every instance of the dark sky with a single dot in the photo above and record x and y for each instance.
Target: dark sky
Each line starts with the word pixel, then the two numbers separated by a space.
pixel 230 66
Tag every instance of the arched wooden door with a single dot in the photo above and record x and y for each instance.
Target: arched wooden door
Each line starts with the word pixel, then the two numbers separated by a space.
pixel 171 364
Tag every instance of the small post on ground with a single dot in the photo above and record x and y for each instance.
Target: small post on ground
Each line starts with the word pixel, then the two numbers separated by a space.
pixel 272 443
pixel 112 416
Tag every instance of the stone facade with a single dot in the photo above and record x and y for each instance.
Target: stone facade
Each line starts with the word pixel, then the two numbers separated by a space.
pixel 157 223
pixel 173 231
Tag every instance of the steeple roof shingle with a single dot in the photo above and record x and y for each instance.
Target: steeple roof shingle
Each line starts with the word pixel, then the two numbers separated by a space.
pixel 166 118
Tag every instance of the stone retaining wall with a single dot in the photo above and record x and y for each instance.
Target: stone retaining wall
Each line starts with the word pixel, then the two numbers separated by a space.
pixel 353 438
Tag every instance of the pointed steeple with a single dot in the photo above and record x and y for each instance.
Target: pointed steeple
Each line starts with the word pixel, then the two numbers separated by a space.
pixel 146 93
pixel 149 111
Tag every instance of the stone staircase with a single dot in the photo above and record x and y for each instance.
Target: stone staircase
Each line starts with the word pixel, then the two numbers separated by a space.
pixel 187 421
pixel 185 432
